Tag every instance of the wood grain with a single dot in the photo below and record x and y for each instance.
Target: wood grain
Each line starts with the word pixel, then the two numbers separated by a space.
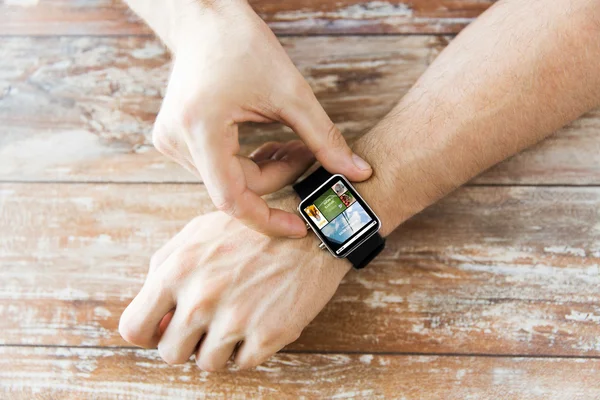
pixel 488 274
pixel 69 373
pixel 81 109
pixel 112 17
pixel 489 270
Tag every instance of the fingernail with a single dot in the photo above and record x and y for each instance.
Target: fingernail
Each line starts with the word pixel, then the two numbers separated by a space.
pixel 360 163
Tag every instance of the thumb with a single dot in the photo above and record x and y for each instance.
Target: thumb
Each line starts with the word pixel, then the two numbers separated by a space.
pixel 310 121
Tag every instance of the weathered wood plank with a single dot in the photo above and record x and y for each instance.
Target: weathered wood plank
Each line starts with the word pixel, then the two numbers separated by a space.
pixel 63 373
pixel 81 109
pixel 112 17
pixel 492 270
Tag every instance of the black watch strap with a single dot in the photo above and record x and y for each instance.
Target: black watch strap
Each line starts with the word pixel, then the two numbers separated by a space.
pixel 367 251
pixel 370 248
pixel 312 182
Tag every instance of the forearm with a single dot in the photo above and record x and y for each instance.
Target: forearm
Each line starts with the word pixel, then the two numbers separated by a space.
pixel 173 19
pixel 514 76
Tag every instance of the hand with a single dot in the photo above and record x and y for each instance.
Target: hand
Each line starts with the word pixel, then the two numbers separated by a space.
pixel 229 285
pixel 229 68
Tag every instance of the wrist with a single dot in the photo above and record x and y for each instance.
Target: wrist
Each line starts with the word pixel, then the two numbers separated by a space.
pixel 395 191
pixel 287 200
pixel 201 18
pixel 392 206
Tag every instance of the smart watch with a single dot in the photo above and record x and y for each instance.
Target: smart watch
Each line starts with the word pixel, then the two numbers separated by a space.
pixel 340 218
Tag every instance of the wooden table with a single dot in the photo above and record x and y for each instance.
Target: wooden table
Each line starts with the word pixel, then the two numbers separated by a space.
pixel 490 294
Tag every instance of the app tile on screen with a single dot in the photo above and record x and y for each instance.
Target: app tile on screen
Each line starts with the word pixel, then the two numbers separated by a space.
pixel 357 217
pixel 338 230
pixel 339 188
pixel 316 216
pixel 347 198
pixel 347 224
pixel 330 205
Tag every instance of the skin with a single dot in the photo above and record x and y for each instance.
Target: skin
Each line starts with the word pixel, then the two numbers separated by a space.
pixel 229 68
pixel 511 78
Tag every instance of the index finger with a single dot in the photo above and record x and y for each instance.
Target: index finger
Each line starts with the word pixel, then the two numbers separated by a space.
pixel 215 155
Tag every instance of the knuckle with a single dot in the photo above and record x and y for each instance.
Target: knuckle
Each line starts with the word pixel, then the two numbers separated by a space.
pixel 183 256
pixel 235 321
pixel 170 355
pixel 334 136
pixel 208 364
pixel 245 359
pixel 232 205
pixel 245 363
pixel 198 314
pixel 211 360
pixel 161 132
pixel 160 142
pixel 227 206
pixel 333 140
pixel 156 260
pixel 130 331
pixel 251 357
pixel 216 252
pixel 181 263
pixel 163 283
pixel 239 209
pixel 263 345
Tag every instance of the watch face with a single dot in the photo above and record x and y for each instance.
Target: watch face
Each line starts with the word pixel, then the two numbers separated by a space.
pixel 339 216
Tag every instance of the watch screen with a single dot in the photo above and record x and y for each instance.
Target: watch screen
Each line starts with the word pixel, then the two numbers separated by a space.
pixel 340 216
